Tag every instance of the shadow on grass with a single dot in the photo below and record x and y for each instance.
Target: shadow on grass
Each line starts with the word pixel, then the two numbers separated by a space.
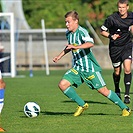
pixel 50 113
pixel 102 114
pixel 56 113
pixel 71 113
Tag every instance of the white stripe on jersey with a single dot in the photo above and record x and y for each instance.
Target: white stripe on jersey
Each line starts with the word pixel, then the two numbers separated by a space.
pixel 70 39
pixel 92 67
pixel 86 61
pixel 79 40
pixel 81 63
pixel 87 64
pixel 74 39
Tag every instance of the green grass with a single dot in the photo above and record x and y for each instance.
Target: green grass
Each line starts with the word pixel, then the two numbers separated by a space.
pixel 57 110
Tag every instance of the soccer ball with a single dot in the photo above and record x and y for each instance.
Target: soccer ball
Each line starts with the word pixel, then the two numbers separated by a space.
pixel 31 109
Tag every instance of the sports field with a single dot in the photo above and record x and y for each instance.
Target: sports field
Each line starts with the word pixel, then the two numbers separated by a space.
pixel 57 110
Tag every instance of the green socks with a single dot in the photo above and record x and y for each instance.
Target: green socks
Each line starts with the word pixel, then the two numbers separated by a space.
pixel 71 93
pixel 115 99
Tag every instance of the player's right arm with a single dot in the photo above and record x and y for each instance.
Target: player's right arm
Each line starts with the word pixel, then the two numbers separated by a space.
pixel 105 30
pixel 105 33
pixel 108 35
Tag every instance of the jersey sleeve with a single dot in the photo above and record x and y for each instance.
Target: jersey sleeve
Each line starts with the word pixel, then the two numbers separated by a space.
pixel 107 24
pixel 86 37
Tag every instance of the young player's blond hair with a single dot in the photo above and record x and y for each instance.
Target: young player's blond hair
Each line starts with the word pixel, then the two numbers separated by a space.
pixel 73 14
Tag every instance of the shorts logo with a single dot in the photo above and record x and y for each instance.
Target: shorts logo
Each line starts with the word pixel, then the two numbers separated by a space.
pixel 91 77
pixel 130 57
pixel 128 83
pixel 118 30
pixel 74 71
pixel 97 85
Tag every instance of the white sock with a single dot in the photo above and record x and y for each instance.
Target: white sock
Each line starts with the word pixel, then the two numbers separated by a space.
pixel 1 107
pixel 0 75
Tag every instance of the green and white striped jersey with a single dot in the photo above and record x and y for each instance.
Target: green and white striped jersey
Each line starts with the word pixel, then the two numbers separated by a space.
pixel 83 59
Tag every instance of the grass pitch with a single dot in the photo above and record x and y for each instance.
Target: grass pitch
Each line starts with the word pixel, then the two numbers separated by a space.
pixel 57 110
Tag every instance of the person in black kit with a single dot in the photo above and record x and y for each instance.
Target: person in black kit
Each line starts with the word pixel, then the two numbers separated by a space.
pixel 118 27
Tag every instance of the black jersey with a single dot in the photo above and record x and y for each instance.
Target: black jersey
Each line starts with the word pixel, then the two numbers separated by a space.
pixel 117 25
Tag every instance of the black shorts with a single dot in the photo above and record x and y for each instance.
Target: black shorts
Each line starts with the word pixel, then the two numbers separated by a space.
pixel 119 54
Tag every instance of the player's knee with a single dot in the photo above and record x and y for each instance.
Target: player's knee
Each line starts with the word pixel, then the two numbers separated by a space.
pixel 127 71
pixel 63 85
pixel 117 71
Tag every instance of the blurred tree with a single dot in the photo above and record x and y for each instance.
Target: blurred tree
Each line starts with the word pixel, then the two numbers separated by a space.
pixel 53 11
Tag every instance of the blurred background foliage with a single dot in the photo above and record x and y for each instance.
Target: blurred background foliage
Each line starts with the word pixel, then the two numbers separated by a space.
pixel 53 11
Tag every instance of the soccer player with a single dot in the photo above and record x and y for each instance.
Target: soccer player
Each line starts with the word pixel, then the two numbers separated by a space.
pixel 85 67
pixel 118 28
pixel 2 90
